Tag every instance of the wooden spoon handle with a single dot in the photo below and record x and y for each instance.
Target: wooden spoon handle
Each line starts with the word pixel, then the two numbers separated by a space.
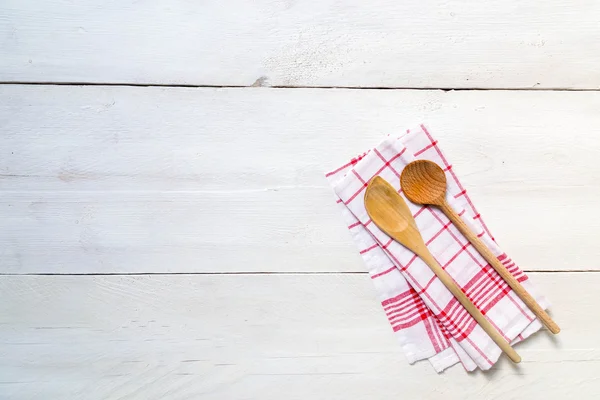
pixel 468 305
pixel 500 268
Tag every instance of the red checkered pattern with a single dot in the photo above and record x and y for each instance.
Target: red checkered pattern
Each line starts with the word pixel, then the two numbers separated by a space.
pixel 428 321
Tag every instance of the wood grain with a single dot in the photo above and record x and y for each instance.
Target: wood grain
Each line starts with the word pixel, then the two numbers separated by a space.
pixel 382 43
pixel 116 179
pixel 273 336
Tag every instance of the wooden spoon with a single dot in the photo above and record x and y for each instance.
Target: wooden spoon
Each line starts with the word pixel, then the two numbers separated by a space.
pixel 424 182
pixel 391 214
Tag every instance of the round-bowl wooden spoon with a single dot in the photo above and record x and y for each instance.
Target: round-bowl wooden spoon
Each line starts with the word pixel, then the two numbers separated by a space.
pixel 424 182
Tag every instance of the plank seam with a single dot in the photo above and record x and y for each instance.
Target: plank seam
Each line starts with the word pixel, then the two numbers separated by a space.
pixel 252 273
pixel 167 85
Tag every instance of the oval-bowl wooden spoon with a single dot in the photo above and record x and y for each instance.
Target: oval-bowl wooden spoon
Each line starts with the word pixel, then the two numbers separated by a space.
pixel 424 182
pixel 391 214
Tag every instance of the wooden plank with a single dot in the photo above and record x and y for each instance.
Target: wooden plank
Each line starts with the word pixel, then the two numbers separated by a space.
pixel 260 336
pixel 383 43
pixel 173 232
pixel 114 179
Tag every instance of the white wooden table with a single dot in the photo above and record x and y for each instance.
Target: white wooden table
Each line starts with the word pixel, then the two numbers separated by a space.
pixel 167 232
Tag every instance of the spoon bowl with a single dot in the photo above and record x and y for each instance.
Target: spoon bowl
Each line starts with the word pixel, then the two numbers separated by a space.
pixel 423 182
pixel 390 212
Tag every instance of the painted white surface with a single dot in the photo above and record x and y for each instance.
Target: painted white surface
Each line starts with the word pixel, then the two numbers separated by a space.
pixel 182 186
pixel 382 43
pixel 260 336
pixel 122 179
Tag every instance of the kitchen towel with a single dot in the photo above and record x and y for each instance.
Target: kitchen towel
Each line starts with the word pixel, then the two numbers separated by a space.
pixel 426 319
